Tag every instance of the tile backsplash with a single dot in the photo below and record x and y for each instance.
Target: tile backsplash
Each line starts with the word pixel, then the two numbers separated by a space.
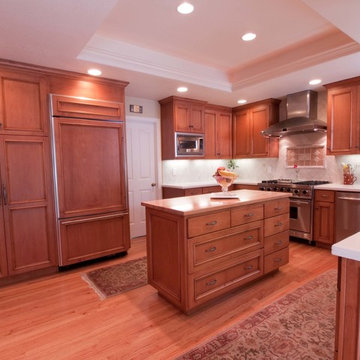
pixel 185 171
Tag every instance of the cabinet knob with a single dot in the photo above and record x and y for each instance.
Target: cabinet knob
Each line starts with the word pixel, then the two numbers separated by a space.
pixel 153 184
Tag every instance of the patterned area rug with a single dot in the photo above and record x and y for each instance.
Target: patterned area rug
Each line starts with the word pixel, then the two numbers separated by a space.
pixel 116 279
pixel 299 326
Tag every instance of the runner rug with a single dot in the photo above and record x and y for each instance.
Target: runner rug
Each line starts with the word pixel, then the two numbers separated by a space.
pixel 298 326
pixel 117 279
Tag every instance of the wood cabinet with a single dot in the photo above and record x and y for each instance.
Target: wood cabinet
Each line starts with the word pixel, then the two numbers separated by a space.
pixel 179 115
pixel 248 122
pixel 27 227
pixel 170 192
pixel 347 340
pixel 245 187
pixel 343 117
pixel 216 251
pixel 218 132
pixel 91 185
pixel 324 207
pixel 23 103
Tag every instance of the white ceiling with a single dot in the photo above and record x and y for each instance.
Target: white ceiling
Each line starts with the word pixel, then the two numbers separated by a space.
pixel 147 43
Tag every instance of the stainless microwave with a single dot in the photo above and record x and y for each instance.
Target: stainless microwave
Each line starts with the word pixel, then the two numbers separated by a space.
pixel 189 144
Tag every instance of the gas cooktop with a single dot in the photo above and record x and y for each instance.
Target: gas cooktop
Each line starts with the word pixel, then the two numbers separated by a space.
pixel 292 181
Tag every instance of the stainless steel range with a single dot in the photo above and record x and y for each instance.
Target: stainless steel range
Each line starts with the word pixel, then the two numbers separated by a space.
pixel 301 203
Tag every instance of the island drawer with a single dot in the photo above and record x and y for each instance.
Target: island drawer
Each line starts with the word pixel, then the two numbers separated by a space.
pixel 276 259
pixel 276 224
pixel 245 214
pixel 277 207
pixel 212 284
pixel 204 224
pixel 276 242
pixel 218 247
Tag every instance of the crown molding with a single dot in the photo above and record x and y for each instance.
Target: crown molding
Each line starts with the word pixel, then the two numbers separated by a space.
pixel 126 56
pixel 318 50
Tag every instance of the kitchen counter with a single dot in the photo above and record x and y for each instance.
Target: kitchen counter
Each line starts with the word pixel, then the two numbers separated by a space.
pixel 338 187
pixel 189 205
pixel 199 248
pixel 348 248
pixel 190 185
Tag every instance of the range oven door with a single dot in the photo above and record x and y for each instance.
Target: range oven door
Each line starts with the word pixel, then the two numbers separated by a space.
pixel 301 218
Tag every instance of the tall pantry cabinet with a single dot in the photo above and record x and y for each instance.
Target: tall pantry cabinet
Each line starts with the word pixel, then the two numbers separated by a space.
pixel 26 198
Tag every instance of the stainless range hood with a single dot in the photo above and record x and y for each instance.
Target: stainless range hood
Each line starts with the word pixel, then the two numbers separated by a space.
pixel 301 116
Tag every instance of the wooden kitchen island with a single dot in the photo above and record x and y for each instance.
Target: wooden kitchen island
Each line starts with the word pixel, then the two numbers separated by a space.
pixel 199 248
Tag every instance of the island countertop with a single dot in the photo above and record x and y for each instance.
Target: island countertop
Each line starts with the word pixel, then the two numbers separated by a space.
pixel 196 204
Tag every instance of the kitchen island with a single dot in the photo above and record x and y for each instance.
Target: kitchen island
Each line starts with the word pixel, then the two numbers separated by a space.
pixel 199 247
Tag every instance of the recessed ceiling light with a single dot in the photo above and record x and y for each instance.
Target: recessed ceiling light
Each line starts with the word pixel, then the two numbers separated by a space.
pixel 94 72
pixel 185 8
pixel 182 89
pixel 242 101
pixel 248 36
pixel 314 82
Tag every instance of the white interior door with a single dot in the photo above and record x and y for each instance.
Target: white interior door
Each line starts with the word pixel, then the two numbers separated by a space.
pixel 141 138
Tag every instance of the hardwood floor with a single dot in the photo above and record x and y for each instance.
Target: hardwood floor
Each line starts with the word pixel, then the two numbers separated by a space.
pixel 60 317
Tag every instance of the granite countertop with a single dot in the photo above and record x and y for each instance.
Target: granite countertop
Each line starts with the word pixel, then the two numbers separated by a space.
pixel 339 187
pixel 190 185
pixel 348 248
pixel 196 204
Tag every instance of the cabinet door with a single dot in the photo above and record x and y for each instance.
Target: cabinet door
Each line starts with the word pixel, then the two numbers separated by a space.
pixel 23 104
pixel 241 134
pixel 92 237
pixel 196 121
pixel 342 134
pixel 324 222
pixel 223 135
pixel 182 113
pixel 90 166
pixel 210 134
pixel 27 203
pixel 259 122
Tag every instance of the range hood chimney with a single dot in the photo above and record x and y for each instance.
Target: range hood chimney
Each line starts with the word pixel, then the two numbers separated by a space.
pixel 301 117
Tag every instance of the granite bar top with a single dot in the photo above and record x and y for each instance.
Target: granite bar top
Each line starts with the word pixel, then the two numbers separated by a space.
pixel 196 204
pixel 339 187
pixel 190 185
pixel 348 248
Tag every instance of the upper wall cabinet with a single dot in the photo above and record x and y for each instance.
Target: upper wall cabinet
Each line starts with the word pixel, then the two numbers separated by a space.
pixel 24 104
pixel 179 115
pixel 343 117
pixel 248 122
pixel 218 132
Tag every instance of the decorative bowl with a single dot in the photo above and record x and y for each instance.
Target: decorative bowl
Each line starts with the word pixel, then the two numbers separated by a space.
pixel 224 181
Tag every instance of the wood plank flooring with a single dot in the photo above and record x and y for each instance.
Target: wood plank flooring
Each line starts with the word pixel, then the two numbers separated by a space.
pixel 60 317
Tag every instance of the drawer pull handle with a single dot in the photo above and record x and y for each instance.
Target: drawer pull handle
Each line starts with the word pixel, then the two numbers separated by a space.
pixel 250 237
pixel 278 242
pixel 278 208
pixel 211 282
pixel 211 223
pixel 249 215
pixel 277 260
pixel 249 267
pixel 324 195
pixel 278 224
pixel 212 249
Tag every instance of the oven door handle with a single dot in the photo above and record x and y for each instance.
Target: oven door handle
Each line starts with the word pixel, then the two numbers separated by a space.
pixel 295 202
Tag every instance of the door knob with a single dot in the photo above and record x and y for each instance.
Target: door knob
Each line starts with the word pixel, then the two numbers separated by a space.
pixel 153 184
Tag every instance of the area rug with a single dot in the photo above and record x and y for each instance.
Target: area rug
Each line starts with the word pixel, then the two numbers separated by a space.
pixel 117 279
pixel 298 326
